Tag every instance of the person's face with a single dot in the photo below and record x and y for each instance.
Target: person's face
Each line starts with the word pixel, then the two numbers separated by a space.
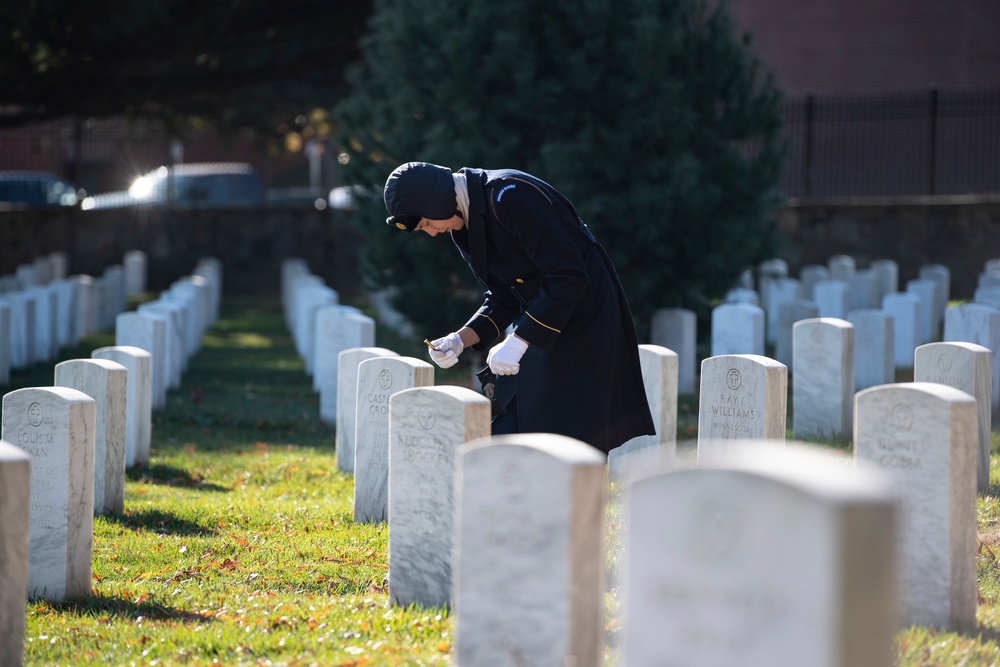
pixel 435 227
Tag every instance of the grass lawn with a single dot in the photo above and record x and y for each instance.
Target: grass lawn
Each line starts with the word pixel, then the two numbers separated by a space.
pixel 237 544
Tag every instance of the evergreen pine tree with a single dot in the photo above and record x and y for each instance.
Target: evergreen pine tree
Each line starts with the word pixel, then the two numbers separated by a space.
pixel 650 115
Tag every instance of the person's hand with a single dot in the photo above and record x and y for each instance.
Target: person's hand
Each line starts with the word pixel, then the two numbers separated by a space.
pixel 505 358
pixel 448 349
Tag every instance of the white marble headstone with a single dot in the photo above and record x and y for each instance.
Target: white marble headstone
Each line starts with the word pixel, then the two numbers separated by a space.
pixel 106 382
pixel 308 302
pixel 782 291
pixel 928 292
pixel 785 558
pixel 842 267
pixel 85 302
pixel 22 329
pixel 968 367
pixel 742 295
pixel 979 324
pixel 887 276
pixel 15 497
pixel 743 397
pixel 135 264
pixel 292 269
pixel 426 426
pixel 789 313
pixel 46 344
pixel 863 291
pixel 60 263
pixel 676 329
pixel 940 274
pixel 924 436
pixel 644 453
pixel 175 316
pixel 874 348
pixel 338 328
pixel 906 311
pixel 529 552
pixel 823 389
pixel 148 332
pixel 809 275
pixel 737 328
pixel 378 379
pixel 4 342
pixel 770 272
pixel 55 426
pixel 347 400
pixel 832 298
pixel 211 269
pixel 65 309
pixel 138 399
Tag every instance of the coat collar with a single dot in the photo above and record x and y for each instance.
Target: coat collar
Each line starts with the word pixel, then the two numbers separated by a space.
pixel 476 224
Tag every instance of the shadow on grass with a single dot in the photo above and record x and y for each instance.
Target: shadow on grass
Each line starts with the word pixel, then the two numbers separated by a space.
pixel 983 632
pixel 158 521
pixel 104 605
pixel 158 473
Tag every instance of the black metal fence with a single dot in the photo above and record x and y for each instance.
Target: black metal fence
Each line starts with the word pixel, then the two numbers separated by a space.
pixel 922 143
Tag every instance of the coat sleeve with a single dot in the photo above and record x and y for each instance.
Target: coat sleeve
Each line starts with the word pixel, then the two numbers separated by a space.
pixel 497 313
pixel 526 214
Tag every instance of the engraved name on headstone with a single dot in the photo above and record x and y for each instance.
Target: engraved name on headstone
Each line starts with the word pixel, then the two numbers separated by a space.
pixel 55 427
pixel 743 397
pixel 968 367
pixel 924 436
pixel 378 379
pixel 426 426
pixel 347 400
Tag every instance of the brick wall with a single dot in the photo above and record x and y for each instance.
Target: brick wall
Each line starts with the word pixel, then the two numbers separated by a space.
pixel 831 47
pixel 960 233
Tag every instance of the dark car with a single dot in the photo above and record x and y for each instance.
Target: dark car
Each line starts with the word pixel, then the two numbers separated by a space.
pixel 33 189
pixel 194 185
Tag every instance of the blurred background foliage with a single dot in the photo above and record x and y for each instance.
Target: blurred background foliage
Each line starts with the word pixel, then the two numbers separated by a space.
pixel 251 64
pixel 652 116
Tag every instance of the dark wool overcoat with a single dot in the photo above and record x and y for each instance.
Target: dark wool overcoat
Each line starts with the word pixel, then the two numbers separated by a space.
pixel 580 375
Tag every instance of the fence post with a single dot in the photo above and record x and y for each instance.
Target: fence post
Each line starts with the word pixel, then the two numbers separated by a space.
pixel 807 148
pixel 932 148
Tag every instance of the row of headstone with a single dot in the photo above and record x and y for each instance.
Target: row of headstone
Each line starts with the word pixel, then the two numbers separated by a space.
pixel 171 327
pixel 742 396
pixel 837 290
pixel 931 437
pixel 43 270
pixel 748 320
pixel 322 329
pixel 717 559
pixel 79 436
pixel 42 310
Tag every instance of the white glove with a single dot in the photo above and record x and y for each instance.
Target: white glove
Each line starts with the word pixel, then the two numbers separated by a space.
pixel 504 359
pixel 448 349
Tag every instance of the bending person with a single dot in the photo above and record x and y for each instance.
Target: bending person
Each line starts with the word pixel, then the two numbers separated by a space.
pixel 571 364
